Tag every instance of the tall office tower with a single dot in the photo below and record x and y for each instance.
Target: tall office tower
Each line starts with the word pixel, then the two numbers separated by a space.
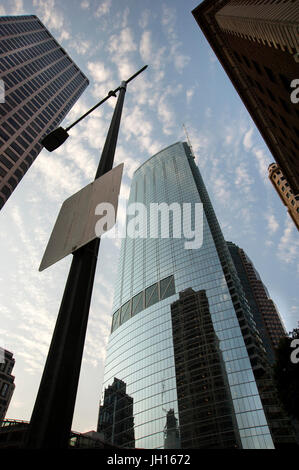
pixel 204 399
pixel 284 191
pixel 257 44
pixel 41 84
pixel 116 421
pixel 7 385
pixel 264 310
pixel 152 272
pixel 171 431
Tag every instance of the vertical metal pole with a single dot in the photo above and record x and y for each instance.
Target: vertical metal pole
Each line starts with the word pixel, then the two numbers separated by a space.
pixel 52 415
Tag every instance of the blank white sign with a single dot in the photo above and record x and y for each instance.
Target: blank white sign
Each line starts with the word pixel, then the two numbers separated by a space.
pixel 76 221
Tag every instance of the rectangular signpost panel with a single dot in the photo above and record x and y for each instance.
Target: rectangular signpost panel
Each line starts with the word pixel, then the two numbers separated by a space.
pixel 76 221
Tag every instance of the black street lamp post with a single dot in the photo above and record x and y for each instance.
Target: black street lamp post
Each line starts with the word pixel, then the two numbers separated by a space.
pixel 51 419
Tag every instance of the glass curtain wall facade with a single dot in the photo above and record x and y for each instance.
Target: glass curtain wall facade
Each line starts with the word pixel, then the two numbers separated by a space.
pixel 41 84
pixel 152 273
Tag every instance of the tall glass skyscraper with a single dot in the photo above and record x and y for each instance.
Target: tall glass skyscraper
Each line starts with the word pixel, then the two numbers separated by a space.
pixel 41 83
pixel 264 310
pixel 154 331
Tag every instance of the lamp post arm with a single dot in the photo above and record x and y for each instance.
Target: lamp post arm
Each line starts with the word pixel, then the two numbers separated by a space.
pixel 111 93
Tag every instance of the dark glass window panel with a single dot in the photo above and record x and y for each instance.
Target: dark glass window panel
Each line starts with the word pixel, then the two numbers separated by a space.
pixel 257 67
pixel 24 115
pixel 125 312
pixel 18 174
pixel 8 128
pixel 3 135
pixel 246 61
pixel 18 118
pixel 27 136
pixel 2 171
pixel 285 106
pixel 17 148
pixel 6 162
pixel 13 123
pixel 270 74
pixel 22 141
pixel 137 303
pixel 286 82
pixel 151 295
pixel 115 320
pixel 6 191
pixel 11 154
pixel 12 182
pixel 167 287
pixel 31 132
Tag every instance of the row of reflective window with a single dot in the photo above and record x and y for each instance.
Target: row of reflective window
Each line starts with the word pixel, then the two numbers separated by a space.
pixel 10 28
pixel 18 42
pixel 149 296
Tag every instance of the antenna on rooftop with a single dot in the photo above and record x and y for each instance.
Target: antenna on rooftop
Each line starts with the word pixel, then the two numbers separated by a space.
pixel 189 141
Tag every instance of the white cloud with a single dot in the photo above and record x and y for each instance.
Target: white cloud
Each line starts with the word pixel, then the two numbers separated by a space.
pixel 81 46
pixel 85 5
pixel 99 71
pixel 59 179
pixel 144 19
pixel 263 161
pixel 168 20
pixel 18 7
pixel 273 225
pixel 247 141
pixel 103 8
pixel 288 246
pixel 221 191
pixel 52 17
pixel 122 43
pixel 189 94
pixel 145 47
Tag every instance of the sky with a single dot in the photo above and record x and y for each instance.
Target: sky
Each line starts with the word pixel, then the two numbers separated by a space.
pixel 183 85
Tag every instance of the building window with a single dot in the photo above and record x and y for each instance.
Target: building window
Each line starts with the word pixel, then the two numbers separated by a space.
pixel 4 390
pixel 151 295
pixel 257 67
pixel 167 287
pixel 125 312
pixel 137 303
pixel 270 74
pixel 115 320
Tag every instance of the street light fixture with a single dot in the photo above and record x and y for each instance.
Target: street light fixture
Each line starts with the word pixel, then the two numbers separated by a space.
pixel 51 419
pixel 57 137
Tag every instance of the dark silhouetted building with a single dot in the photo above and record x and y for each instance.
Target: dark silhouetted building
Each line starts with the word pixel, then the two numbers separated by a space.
pixel 271 330
pixel 171 431
pixel 206 413
pixel 257 44
pixel 264 310
pixel 7 385
pixel 116 421
pixel 41 83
